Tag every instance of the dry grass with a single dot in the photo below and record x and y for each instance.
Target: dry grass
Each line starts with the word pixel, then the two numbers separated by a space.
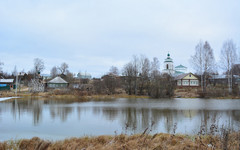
pixel 61 94
pixel 123 142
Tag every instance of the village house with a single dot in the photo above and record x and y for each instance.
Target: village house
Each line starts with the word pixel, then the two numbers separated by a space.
pixel 187 80
pixel 57 82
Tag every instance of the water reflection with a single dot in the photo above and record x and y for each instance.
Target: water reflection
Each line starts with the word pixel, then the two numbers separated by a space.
pixel 61 112
pixel 123 115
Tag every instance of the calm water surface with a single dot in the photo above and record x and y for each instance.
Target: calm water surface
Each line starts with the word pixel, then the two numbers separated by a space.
pixel 59 119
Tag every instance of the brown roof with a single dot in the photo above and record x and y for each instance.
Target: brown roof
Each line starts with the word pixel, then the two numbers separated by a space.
pixel 182 76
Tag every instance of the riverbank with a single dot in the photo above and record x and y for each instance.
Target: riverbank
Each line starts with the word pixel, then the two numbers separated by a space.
pixel 68 96
pixel 143 141
pixel 58 94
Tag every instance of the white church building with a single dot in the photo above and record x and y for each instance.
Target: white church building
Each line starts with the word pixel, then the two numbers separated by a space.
pixel 170 69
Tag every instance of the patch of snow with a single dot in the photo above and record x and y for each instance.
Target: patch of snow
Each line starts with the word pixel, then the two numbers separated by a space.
pixel 6 98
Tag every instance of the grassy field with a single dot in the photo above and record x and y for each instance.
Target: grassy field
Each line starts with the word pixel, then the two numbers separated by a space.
pixel 123 142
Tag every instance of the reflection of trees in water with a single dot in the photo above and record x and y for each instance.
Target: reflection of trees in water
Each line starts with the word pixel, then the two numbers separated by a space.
pixel 37 111
pixel 18 107
pixel 110 113
pixel 168 119
pixel 140 118
pixel 81 110
pixel 35 107
pixel 236 115
pixel 60 111
pixel 0 113
pixel 137 118
pixel 221 119
pixel 130 118
pixel 31 106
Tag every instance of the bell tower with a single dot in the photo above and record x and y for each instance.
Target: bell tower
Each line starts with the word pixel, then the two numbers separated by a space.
pixel 168 65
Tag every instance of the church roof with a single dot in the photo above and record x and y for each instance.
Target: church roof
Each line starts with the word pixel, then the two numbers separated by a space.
pixel 181 76
pixel 180 66
pixel 179 72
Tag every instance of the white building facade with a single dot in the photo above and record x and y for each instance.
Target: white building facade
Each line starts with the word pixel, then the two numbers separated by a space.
pixel 168 66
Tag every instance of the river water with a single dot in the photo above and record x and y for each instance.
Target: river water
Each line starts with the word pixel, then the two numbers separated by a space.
pixel 59 119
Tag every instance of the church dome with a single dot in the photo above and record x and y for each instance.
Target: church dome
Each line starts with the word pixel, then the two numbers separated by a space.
pixel 168 59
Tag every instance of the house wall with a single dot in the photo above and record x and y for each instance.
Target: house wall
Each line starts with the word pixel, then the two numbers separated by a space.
pixel 191 77
pixel 194 83
pixel 57 85
pixel 188 82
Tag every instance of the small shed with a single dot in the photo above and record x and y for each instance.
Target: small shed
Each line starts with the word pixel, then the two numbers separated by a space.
pixel 57 82
pixel 6 84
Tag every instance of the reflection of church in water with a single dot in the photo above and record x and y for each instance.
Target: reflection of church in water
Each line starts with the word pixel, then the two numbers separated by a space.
pixel 170 69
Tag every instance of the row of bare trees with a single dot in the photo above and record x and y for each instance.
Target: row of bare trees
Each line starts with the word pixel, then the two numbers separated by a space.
pixel 62 69
pixel 204 63
pixel 38 68
pixel 142 77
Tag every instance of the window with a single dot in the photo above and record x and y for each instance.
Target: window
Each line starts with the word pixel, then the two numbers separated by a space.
pixel 167 66
pixel 185 82
pixel 179 82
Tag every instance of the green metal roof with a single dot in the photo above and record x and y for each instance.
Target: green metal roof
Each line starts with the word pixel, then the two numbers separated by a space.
pixel 180 66
pixel 178 72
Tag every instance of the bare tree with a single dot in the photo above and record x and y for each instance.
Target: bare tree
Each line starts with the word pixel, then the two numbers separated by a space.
pixel 155 67
pixel 144 73
pixel 54 72
pixel 131 73
pixel 135 62
pixel 69 76
pixel 228 59
pixel 1 63
pixel 38 66
pixel 114 70
pixel 203 61
pixel 111 80
pixel 63 68
pixel 236 69
pixel 128 73
pixel 142 76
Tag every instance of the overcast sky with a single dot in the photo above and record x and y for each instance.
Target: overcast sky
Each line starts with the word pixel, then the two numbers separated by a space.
pixel 93 35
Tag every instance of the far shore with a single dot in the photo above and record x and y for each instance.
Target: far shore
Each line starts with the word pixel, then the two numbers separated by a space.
pixel 4 94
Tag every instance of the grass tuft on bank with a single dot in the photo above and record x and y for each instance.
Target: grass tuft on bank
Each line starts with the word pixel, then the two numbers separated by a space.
pixel 141 141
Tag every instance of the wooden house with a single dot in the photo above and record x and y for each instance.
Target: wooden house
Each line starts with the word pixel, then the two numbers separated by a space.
pixel 187 80
pixel 57 82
